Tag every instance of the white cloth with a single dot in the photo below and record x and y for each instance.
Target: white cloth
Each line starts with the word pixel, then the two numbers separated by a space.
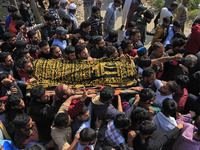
pixel 160 98
pixel 198 15
pixel 125 10
pixel 164 13
pixel 72 6
pixel 164 123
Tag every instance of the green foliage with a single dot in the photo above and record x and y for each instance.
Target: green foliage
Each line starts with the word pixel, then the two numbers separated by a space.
pixel 192 14
pixel 158 3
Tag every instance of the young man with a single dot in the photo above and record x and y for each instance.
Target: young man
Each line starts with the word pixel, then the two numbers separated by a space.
pixel 182 13
pixel 113 133
pixel 44 50
pixel 60 39
pixel 12 10
pixel 56 52
pixel 142 24
pixel 110 16
pixel 9 42
pixel 6 63
pixel 70 53
pixel 135 37
pixel 139 12
pixel 54 6
pixel 25 70
pixel 132 26
pixel 95 21
pixel 81 52
pixel 33 43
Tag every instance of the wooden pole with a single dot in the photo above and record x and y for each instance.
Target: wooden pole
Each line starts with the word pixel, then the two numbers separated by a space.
pixel 35 12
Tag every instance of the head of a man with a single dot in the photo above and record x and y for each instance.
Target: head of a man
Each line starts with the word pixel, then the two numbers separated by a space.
pixel 149 75
pixel 61 33
pixel 81 52
pixel 6 60
pixel 147 96
pixel 173 6
pixel 67 23
pixel 62 120
pixel 166 22
pixel 54 4
pixel 107 95
pixel 177 26
pixel 14 102
pixel 96 12
pixel 33 37
pixel 168 88
pixel 148 16
pixel 44 47
pixel 147 128
pixel 169 107
pixel 99 43
pixel 127 46
pixel 158 49
pixel 63 91
pixel 56 52
pixel 113 36
pixel 39 94
pixel 9 38
pixel 122 121
pixel 49 19
pixel 84 114
pixel 182 82
pixel 117 3
pixel 179 45
pixel 87 136
pixel 25 65
pixel 135 36
pixel 85 27
pixel 70 53
pixel 112 52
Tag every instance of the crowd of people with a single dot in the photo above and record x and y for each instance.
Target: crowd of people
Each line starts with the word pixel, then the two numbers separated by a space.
pixel 163 115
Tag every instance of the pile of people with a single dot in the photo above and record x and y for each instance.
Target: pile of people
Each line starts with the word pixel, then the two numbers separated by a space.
pixel 163 115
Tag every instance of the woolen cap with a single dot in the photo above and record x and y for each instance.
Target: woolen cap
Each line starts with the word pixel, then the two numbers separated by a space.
pixel 72 6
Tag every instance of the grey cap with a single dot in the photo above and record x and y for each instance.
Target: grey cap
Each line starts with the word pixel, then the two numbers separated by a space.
pixel 61 30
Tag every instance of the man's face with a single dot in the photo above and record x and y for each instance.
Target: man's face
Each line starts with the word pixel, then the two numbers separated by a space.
pixel 45 49
pixel 117 4
pixel 130 47
pixel 159 52
pixel 87 30
pixel 51 22
pixel 176 29
pixel 166 24
pixel 99 3
pixel 63 36
pixel 28 68
pixel 35 40
pixel 21 105
pixel 88 143
pixel 45 97
pixel 136 38
pixel 97 14
pixel 116 54
pixel 68 90
pixel 28 126
pixel 57 53
pixel 71 56
pixel 101 44
pixel 9 62
pixel 12 41
pixel 83 54
pixel 2 108
pixel 28 56
pixel 81 42
pixel 85 117
pixel 164 89
pixel 150 79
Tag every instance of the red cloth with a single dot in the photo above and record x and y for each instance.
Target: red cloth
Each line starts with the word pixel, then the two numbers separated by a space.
pixel 11 28
pixel 3 98
pixel 74 108
pixel 87 148
pixel 133 53
pixel 193 44
pixel 181 100
pixel 23 76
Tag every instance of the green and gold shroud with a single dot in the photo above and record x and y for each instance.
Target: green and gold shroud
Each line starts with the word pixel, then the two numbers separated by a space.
pixel 105 72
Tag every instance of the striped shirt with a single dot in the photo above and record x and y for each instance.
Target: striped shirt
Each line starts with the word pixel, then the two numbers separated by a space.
pixel 96 26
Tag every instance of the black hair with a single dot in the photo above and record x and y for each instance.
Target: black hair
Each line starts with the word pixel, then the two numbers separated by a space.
pixel 125 43
pixel 147 127
pixel 169 106
pixel 132 24
pixel 197 21
pixel 113 34
pixel 87 135
pixel 21 120
pixel 79 49
pixel 98 39
pixel 157 45
pixel 174 4
pixel 182 80
pixel 31 33
pixel 67 19
pixel 197 124
pixel 49 16
pixel 133 33
pixel 106 94
pixel 110 50
pixel 146 94
pixel 3 75
pixel 147 72
pixel 118 1
pixel 7 36
pixel 19 24
pixel 61 120
pixel 37 92
pixel 173 87
pixel 178 42
pixel 12 8
pixel 95 9
pixel 52 48
pixel 43 43
pixel 85 24
pixel 53 2
pixel 12 100
pixel 138 115
pixel 122 121
pixel 17 17
pixel 3 56
pixel 22 61
pixel 83 111
pixel 92 39
pixel 69 49
pixel 166 19
pixel 149 14
pixel 177 23
pixel 144 63
pixel 179 35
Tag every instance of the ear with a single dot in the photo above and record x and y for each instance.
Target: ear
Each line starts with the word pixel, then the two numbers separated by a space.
pixel 65 96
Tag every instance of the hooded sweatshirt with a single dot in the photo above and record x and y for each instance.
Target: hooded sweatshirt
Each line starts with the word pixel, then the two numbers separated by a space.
pixel 193 44
pixel 186 141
